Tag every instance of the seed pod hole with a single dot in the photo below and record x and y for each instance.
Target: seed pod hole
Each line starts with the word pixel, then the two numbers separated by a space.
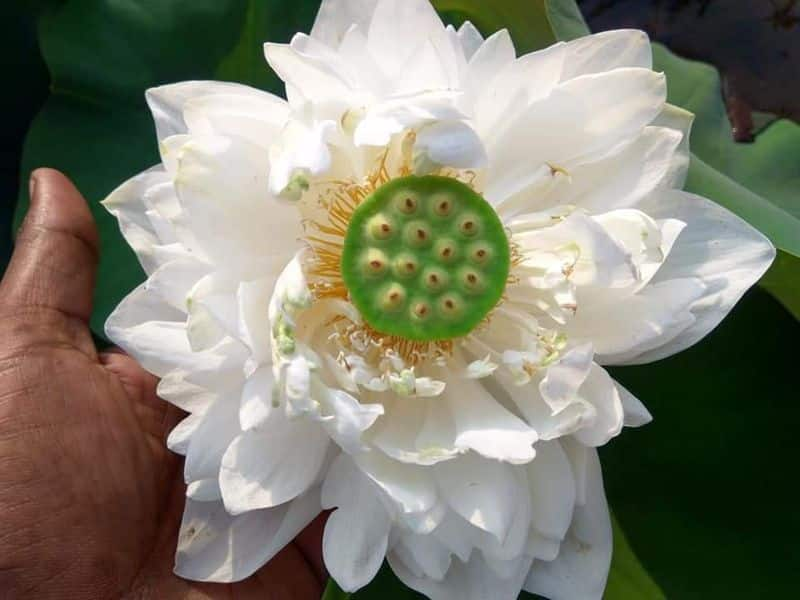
pixel 380 228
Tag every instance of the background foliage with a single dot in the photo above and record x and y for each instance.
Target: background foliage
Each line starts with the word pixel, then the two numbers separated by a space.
pixel 703 493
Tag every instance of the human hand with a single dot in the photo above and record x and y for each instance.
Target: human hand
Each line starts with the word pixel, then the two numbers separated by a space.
pixel 90 497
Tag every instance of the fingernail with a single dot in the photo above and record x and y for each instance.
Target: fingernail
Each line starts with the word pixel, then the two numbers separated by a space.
pixel 32 185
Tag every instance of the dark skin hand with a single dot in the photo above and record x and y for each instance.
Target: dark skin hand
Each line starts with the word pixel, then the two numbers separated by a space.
pixel 90 497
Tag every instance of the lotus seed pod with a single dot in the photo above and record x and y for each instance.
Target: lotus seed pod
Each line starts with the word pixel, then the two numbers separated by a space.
pixel 439 268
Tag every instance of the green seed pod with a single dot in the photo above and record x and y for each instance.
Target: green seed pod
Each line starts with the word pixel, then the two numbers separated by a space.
pixel 416 258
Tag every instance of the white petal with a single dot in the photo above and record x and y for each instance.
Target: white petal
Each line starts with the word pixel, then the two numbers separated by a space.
pixel 256 403
pixel 408 111
pixel 415 430
pixel 677 119
pixel 512 89
pixel 483 425
pixel 470 38
pixel 599 390
pixel 623 327
pixel 350 419
pixel 597 259
pixel 636 414
pixel 624 177
pixel 606 51
pixel 257 117
pixel 316 72
pixel 565 377
pixel 221 183
pixel 151 331
pixel 451 144
pixel 204 490
pixel 473 580
pixel 172 281
pixel 189 397
pixel 336 17
pixel 254 327
pixel 423 554
pixel 357 532
pixel 411 487
pixel 127 204
pixel 218 427
pixel 584 116
pixel 167 102
pixel 272 465
pixel 215 546
pixel 490 59
pixel 581 568
pixel 482 491
pixel 552 489
pixel 719 249
pixel 398 28
pixel 181 435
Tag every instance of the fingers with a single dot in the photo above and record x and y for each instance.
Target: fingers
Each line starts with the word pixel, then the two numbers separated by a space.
pixel 56 251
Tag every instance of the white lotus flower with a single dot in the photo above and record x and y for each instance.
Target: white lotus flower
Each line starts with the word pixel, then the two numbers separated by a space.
pixel 392 295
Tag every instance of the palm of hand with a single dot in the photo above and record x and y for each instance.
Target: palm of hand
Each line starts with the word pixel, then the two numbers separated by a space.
pixel 91 498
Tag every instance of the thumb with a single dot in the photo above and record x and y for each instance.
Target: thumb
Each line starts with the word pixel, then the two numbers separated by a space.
pixel 56 250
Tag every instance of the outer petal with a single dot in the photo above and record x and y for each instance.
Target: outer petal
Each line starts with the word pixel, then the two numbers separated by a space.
pixel 624 326
pixel 263 467
pixel 257 117
pixel 151 331
pixel 127 204
pixel 336 17
pixel 215 546
pixel 399 28
pixel 357 533
pixel 471 580
pixel 482 491
pixel 218 427
pixel 411 488
pixel 483 425
pixel 636 414
pixel 719 249
pixel 221 184
pixel 599 390
pixel 552 489
pixel 581 568
pixel 167 102
pixel 626 176
pixel 606 51
pixel 587 115
pixel 470 38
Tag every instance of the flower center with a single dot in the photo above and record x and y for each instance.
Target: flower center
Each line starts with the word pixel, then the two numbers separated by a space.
pixel 425 258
